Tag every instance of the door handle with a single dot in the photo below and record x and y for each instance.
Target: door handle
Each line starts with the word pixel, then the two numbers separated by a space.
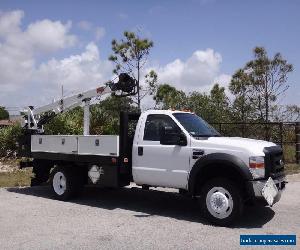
pixel 140 151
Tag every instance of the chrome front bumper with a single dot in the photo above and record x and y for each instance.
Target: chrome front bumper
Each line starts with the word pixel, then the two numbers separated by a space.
pixel 256 187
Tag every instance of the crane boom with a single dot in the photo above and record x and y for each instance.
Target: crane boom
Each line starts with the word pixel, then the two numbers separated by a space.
pixel 35 118
pixel 71 101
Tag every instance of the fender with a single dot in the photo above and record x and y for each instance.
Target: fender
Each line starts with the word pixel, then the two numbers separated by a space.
pixel 230 161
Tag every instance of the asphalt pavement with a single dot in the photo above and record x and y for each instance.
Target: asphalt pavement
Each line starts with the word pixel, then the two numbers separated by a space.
pixel 132 218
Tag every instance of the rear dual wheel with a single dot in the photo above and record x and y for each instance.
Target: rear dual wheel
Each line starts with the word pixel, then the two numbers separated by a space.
pixel 66 184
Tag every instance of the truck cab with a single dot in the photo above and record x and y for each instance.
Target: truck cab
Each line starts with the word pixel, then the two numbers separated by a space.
pixel 166 148
pixel 180 150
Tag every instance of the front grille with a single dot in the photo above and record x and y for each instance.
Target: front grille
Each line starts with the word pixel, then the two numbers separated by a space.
pixel 273 162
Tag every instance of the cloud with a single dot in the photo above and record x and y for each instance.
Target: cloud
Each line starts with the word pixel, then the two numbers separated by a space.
pixel 76 72
pixel 10 22
pixel 40 36
pixel 19 47
pixel 99 33
pixel 23 76
pixel 49 36
pixel 223 80
pixel 23 47
pixel 198 72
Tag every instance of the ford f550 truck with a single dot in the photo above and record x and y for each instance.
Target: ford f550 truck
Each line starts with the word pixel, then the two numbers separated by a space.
pixel 160 148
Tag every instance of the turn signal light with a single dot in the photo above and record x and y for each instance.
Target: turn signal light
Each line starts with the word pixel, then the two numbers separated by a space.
pixel 257 162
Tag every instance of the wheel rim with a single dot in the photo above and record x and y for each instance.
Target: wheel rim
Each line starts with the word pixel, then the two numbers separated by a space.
pixel 59 183
pixel 219 202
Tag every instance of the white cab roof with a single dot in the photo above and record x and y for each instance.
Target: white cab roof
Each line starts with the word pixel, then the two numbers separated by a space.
pixel 164 112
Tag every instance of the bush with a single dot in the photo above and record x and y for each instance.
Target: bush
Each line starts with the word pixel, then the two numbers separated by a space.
pixel 104 118
pixel 69 123
pixel 9 137
pixel 3 113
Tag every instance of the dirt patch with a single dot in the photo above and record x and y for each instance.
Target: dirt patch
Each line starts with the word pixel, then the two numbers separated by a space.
pixel 8 166
pixel 11 175
pixel 293 178
pixel 5 168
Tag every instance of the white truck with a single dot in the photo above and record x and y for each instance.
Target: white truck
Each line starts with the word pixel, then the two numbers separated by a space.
pixel 160 148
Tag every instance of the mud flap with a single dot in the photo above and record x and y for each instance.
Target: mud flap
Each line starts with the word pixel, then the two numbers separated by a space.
pixel 41 171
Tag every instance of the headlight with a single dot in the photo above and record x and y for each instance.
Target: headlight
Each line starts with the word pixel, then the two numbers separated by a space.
pixel 257 166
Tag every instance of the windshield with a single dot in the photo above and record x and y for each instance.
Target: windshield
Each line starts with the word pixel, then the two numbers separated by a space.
pixel 196 126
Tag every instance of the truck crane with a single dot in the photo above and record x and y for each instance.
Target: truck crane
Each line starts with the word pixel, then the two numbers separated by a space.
pixel 36 118
pixel 155 148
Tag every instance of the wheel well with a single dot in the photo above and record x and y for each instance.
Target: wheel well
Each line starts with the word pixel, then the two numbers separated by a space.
pixel 211 171
pixel 80 170
pixel 42 170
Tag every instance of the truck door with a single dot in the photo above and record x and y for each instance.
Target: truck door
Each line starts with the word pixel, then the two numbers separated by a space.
pixel 159 165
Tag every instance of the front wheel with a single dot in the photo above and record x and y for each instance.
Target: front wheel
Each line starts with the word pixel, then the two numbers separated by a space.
pixel 64 183
pixel 221 201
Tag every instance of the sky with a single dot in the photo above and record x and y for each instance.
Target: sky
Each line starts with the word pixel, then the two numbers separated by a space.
pixel 46 44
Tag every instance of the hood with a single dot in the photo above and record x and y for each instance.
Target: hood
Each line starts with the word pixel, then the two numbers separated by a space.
pixel 251 146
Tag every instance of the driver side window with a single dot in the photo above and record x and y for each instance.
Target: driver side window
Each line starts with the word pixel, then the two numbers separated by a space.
pixel 155 124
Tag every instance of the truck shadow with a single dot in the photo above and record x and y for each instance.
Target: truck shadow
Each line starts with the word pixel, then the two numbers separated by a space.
pixel 151 203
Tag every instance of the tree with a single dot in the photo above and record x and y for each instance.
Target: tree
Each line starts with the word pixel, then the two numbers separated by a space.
pixel 105 115
pixel 168 97
pixel 151 80
pixel 212 107
pixel 288 113
pixel 219 103
pixel 9 136
pixel 200 104
pixel 242 107
pixel 265 78
pixel 130 55
pixel 3 113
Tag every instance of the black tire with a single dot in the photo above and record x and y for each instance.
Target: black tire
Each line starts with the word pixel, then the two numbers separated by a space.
pixel 221 201
pixel 72 183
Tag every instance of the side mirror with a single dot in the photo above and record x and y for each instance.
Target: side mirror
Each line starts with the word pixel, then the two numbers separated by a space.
pixel 170 136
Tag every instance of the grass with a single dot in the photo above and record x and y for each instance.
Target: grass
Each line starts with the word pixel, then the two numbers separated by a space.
pixel 16 178
pixel 292 168
pixel 289 152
